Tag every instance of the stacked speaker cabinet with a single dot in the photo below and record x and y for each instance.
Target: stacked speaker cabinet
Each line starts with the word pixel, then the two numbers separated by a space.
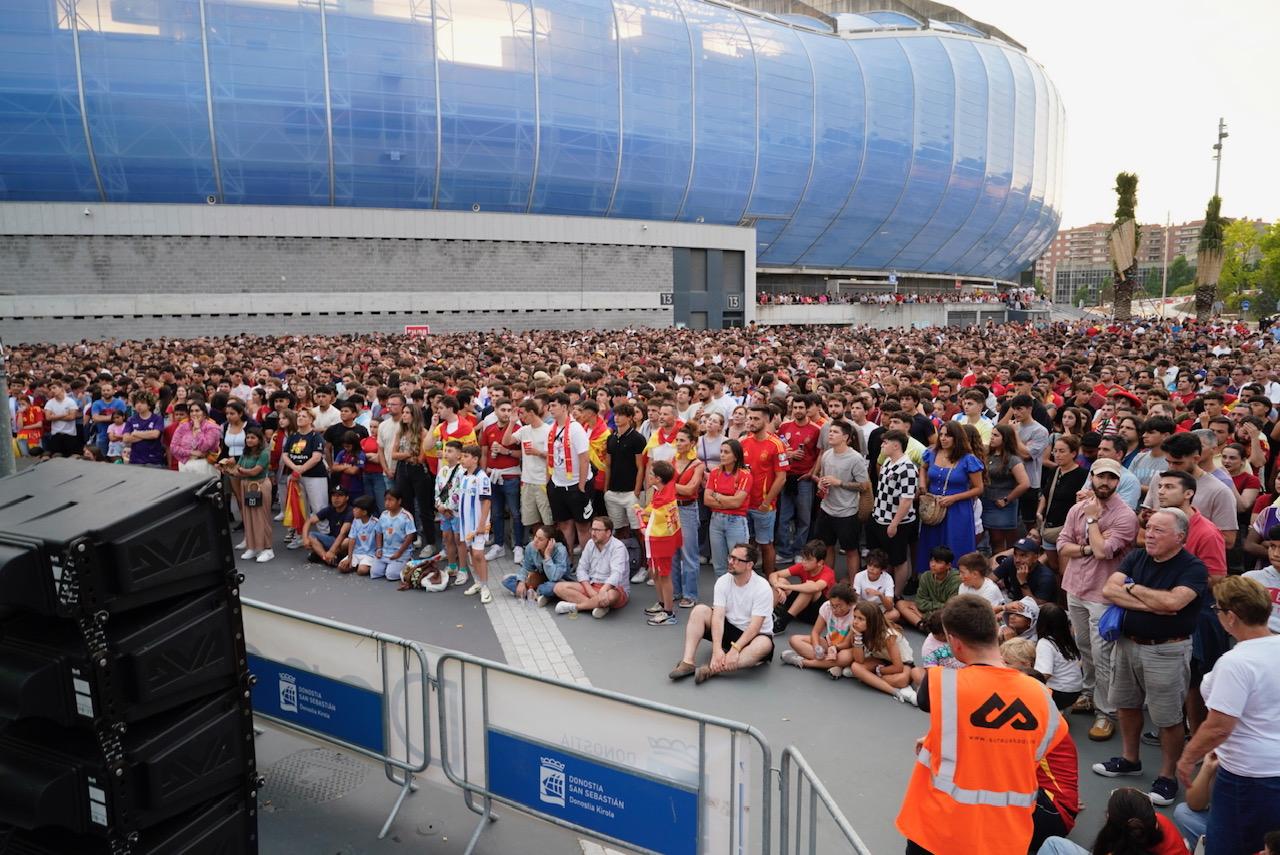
pixel 125 725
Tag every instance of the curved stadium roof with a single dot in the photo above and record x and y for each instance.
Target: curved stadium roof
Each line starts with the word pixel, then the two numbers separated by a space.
pixel 927 150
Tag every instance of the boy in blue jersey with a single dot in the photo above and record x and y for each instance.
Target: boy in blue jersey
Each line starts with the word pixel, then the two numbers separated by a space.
pixel 362 540
pixel 474 490
pixel 396 533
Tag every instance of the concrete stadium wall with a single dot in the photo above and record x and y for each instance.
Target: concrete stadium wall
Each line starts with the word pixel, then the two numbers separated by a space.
pixel 140 271
pixel 886 317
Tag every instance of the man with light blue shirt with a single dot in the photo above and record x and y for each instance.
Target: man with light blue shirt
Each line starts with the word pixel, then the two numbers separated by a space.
pixel 1130 489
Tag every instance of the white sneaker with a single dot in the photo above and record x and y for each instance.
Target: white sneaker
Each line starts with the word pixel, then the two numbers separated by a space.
pixel 907 695
pixel 486 596
pixel 517 555
pixel 493 553
pixel 279 517
pixel 427 551
pixel 248 553
pixel 790 657
pixel 565 608
pixel 649 582
pixel 242 544
pixel 265 555
pixel 542 600
pixel 460 578
pixel 599 612
pixel 296 543
pixel 640 575
pixel 474 589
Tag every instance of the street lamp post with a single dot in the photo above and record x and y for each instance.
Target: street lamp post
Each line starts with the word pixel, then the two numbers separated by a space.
pixel 1217 154
pixel 1164 276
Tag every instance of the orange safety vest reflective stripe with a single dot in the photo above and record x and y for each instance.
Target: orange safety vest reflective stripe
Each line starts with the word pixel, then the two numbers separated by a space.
pixel 973 787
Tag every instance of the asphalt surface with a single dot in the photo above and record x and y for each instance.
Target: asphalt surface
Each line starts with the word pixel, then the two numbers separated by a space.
pixel 858 740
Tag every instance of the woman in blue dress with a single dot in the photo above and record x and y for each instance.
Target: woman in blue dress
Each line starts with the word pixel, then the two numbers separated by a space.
pixel 953 474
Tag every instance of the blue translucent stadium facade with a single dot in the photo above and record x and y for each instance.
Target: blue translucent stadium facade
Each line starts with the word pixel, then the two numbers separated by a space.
pixel 932 151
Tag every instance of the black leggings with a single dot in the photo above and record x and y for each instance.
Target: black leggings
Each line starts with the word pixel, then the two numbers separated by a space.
pixel 417 487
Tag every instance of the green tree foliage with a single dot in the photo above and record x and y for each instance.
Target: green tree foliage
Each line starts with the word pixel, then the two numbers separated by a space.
pixel 1240 242
pixel 1268 272
pixel 1124 274
pixel 1181 272
pixel 1209 258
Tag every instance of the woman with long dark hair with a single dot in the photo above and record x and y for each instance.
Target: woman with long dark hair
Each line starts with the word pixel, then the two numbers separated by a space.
pixel 728 486
pixel 954 475
pixel 1132 827
pixel 1006 481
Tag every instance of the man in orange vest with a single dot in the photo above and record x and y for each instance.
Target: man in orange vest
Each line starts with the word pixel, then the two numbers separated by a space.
pixel 974 787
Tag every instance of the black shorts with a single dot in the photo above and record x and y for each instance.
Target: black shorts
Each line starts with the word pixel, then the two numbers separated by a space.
pixel 897 546
pixel 832 530
pixel 568 503
pixel 809 614
pixel 1028 504
pixel 63 445
pixel 731 634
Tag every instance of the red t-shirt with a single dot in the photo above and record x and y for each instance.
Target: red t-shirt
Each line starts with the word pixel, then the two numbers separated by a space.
pixel 1059 775
pixel 1205 542
pixel 724 484
pixel 166 439
pixel 1171 843
pixel 373 461
pixel 803 437
pixel 823 574
pixel 1246 481
pixel 765 458
pixel 493 433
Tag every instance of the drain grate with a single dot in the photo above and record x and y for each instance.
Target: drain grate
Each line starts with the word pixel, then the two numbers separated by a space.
pixel 313 776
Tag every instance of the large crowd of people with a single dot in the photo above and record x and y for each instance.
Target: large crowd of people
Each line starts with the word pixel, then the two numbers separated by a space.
pixel 1071 518
pixel 1014 298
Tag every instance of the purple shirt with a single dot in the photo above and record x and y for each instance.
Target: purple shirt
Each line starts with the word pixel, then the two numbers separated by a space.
pixel 146 451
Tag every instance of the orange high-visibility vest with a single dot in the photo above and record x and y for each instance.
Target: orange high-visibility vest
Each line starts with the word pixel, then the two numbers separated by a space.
pixel 973 787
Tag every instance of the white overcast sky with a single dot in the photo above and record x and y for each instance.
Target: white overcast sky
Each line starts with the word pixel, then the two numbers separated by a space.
pixel 1175 66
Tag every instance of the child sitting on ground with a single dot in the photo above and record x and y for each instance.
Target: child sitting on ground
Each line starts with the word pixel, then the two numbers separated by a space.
pixel 1020 619
pixel 1057 660
pixel 974 580
pixel 362 539
pixel 1019 654
pixel 801 600
pixel 875 584
pixel 937 586
pixel 882 656
pixel 829 645
pixel 936 651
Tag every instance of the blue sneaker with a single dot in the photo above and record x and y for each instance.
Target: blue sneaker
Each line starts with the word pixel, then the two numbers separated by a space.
pixel 1163 791
pixel 1117 766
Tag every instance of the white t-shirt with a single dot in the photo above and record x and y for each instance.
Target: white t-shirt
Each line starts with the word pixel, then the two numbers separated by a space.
pixel 387 430
pixel 989 591
pixel 1245 684
pixel 578 444
pixel 54 407
pixel 743 602
pixel 884 585
pixel 533 469
pixel 325 419
pixel 1269 578
pixel 1064 675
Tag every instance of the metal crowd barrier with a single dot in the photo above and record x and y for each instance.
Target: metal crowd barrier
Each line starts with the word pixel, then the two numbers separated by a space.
pixel 622 770
pixel 810 820
pixel 364 690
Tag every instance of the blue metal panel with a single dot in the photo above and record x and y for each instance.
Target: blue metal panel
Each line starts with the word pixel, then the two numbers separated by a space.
pixel 840 116
pixel 487 104
pixel 998 173
pixel 890 143
pixel 1050 214
pixel 267 67
pixel 578 125
pixel 1004 255
pixel 43 153
pixel 785 127
pixel 969 161
pixel 144 91
pixel 657 114
pixel 724 75
pixel 1022 149
pixel 931 160
pixel 382 85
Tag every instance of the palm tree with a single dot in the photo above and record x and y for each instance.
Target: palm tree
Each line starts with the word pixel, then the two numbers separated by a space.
pixel 1209 257
pixel 1124 244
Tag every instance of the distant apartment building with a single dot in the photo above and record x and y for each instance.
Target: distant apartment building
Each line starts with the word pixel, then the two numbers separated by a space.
pixel 1078 261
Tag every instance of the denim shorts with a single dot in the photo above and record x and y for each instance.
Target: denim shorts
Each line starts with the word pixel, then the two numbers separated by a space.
pixel 761 524
pixel 448 524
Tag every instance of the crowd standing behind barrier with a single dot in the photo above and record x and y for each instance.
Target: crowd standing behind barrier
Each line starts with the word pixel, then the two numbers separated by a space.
pixel 386 455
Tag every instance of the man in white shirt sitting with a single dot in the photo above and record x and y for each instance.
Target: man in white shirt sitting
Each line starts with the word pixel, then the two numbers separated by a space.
pixel 603 575
pixel 739 625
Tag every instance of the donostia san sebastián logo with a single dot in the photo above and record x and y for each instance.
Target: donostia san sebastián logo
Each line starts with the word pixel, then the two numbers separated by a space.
pixel 551 782
pixel 288 693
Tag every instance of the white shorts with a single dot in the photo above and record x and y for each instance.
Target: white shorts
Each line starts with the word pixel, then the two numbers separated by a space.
pixel 621 507
pixel 478 543
pixel 362 560
pixel 391 570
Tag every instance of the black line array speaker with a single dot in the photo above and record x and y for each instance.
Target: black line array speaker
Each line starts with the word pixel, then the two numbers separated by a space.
pixel 125 724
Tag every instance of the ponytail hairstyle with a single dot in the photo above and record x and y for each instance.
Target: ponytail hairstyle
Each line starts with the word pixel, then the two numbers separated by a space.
pixel 1131 827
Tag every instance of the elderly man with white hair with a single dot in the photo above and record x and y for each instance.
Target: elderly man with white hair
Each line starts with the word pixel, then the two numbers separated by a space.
pixel 1159 588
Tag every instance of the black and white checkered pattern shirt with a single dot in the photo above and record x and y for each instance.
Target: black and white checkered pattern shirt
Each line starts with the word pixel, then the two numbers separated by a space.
pixel 897 479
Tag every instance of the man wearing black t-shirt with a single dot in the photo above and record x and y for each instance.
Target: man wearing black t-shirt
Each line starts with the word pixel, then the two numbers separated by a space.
pixel 624 448
pixel 347 412
pixel 1021 574
pixel 1159 589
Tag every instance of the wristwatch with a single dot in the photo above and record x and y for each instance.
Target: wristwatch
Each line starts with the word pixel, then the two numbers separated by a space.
pixel 1088 521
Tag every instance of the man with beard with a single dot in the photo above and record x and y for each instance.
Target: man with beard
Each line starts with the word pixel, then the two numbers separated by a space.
pixel 1098 531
